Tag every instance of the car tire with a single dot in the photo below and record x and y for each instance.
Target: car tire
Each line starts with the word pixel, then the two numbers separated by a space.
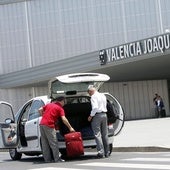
pixel 14 154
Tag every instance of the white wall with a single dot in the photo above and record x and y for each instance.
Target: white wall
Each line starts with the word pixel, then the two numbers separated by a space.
pixel 18 96
pixel 136 97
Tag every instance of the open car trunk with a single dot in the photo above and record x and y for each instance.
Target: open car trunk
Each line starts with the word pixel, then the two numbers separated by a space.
pixel 74 88
pixel 77 111
pixel 77 114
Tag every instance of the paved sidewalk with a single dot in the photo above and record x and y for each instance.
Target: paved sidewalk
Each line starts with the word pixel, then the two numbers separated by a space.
pixel 144 135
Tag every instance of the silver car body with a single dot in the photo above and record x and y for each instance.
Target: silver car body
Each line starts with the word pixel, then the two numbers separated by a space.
pixel 24 127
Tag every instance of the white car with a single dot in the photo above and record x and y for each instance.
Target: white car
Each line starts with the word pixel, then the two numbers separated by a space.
pixel 21 133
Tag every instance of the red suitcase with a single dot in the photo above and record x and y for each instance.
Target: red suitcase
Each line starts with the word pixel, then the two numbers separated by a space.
pixel 74 144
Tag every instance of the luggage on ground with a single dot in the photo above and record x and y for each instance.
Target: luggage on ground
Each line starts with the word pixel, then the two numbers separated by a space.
pixel 74 144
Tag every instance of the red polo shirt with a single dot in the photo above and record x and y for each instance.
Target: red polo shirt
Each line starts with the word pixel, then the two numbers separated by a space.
pixel 51 113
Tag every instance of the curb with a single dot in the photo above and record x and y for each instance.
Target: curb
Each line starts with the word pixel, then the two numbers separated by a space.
pixel 129 149
pixel 141 149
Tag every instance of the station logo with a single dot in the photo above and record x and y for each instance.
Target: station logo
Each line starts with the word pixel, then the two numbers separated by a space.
pixel 151 45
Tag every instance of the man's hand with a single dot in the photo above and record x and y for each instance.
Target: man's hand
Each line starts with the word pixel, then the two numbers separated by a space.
pixel 72 130
pixel 90 118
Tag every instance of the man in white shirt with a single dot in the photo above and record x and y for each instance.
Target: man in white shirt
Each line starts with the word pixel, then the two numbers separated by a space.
pixel 98 120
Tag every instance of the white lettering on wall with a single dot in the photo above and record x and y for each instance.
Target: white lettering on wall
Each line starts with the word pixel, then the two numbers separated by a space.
pixel 134 49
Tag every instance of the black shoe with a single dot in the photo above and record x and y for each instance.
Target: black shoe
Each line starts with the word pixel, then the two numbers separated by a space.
pixel 99 155
pixel 61 160
pixel 107 155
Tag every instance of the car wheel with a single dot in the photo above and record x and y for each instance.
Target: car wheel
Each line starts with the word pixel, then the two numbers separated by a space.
pixel 110 148
pixel 14 154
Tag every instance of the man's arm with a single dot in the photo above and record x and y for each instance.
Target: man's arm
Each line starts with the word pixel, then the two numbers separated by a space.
pixel 40 110
pixel 66 122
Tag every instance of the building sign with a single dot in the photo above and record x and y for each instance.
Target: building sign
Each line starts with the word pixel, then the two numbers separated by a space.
pixel 134 49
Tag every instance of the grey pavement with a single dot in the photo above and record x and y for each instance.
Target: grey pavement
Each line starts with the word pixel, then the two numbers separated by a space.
pixel 144 135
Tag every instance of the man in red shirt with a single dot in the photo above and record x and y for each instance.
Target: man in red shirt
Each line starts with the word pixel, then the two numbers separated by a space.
pixel 50 113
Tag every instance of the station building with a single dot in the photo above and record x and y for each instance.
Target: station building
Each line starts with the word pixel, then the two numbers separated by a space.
pixel 127 39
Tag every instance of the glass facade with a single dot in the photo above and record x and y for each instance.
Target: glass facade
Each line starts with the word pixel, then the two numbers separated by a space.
pixel 34 33
pixel 37 32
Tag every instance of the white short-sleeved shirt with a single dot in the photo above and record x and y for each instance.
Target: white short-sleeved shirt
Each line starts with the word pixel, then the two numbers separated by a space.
pixel 98 102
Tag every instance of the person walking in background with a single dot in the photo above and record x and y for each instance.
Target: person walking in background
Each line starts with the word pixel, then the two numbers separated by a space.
pixel 50 113
pixel 156 104
pixel 98 120
pixel 155 98
pixel 160 107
